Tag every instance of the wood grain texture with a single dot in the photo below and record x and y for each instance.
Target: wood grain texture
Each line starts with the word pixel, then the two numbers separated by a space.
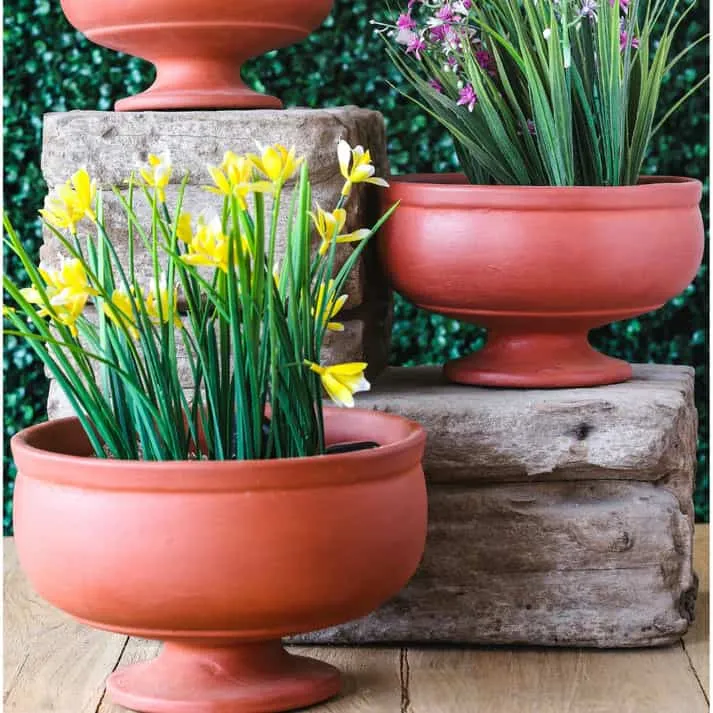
pixel 500 681
pixel 644 429
pixel 51 663
pixel 600 563
pixel 55 666
pixel 696 642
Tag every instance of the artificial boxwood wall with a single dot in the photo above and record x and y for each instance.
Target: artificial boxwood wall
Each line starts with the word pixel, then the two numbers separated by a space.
pixel 50 67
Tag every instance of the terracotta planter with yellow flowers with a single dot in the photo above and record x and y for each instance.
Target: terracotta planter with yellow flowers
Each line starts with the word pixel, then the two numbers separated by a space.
pixel 198 48
pixel 220 518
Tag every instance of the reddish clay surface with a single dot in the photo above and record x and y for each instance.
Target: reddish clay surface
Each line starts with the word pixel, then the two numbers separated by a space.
pixel 199 47
pixel 540 267
pixel 221 560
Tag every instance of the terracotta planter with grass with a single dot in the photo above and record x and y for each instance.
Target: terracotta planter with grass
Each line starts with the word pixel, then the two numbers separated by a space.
pixel 197 46
pixel 540 267
pixel 221 560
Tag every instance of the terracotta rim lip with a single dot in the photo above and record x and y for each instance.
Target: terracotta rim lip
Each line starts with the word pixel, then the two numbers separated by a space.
pixel 213 476
pixel 451 190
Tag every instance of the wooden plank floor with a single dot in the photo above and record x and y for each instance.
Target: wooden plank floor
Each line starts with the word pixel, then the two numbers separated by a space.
pixel 53 665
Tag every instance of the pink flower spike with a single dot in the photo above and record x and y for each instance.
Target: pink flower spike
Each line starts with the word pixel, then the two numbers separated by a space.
pixel 435 85
pixel 438 33
pixel 415 47
pixel 445 14
pixel 624 41
pixel 467 97
pixel 406 22
pixel 485 60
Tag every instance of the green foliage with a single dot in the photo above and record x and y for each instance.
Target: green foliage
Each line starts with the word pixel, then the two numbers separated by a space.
pixel 537 94
pixel 49 67
pixel 252 331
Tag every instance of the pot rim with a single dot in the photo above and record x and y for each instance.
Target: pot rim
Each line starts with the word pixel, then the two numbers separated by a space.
pixel 38 462
pixel 451 190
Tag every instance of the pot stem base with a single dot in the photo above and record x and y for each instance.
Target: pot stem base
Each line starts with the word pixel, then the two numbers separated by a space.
pixel 244 678
pixel 198 83
pixel 537 361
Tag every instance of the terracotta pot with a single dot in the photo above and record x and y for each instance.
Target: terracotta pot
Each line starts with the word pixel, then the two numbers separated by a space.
pixel 540 267
pixel 198 46
pixel 220 560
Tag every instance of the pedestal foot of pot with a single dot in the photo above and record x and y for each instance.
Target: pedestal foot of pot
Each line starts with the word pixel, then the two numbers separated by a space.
pixel 246 678
pixel 539 361
pixel 198 84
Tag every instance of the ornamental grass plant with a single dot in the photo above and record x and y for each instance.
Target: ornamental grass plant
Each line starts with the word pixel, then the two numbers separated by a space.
pixel 250 328
pixel 543 92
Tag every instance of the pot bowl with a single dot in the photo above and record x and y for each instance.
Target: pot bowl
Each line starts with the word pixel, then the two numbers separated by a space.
pixel 198 48
pixel 540 267
pixel 221 559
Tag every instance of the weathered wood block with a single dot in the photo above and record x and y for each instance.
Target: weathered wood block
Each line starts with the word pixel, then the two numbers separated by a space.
pixel 559 517
pixel 111 145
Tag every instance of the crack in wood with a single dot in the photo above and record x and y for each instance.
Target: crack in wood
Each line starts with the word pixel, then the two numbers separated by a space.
pixel 695 672
pixel 16 676
pixel 404 679
pixel 114 667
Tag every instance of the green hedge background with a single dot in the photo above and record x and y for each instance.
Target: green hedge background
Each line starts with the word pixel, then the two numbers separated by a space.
pixel 50 67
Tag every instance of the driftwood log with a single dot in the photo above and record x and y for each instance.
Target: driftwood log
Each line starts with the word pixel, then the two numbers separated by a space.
pixel 557 518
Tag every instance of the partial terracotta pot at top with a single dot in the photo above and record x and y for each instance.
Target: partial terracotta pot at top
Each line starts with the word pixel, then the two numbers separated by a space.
pixel 540 267
pixel 221 559
pixel 197 46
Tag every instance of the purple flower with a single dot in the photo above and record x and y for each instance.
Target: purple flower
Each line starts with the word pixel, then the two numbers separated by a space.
pixel 624 41
pixel 435 85
pixel 467 97
pixel 438 33
pixel 445 14
pixel 451 41
pixel 406 22
pixel 485 60
pixel 416 46
pixel 452 64
pixel 406 37
pixel 531 128
pixel 589 9
pixel 623 4
pixel 462 7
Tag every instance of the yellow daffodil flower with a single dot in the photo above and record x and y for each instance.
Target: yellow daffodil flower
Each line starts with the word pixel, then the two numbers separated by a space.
pixel 65 308
pixel 277 163
pixel 67 204
pixel 157 174
pixel 157 305
pixel 184 227
pixel 331 309
pixel 209 246
pixel 342 381
pixel 85 193
pixel 235 177
pixel 356 167
pixel 122 313
pixel 71 277
pixel 67 291
pixel 329 225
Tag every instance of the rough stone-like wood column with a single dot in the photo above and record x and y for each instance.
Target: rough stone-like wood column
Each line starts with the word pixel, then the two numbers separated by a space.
pixel 559 517
pixel 111 145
